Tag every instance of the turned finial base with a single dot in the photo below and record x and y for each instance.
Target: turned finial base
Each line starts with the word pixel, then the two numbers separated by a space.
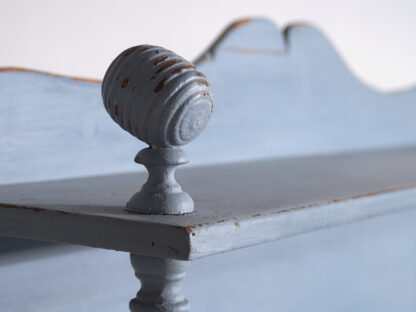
pixel 160 278
pixel 161 194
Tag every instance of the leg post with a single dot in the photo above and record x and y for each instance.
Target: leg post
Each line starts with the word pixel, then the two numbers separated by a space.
pixel 160 290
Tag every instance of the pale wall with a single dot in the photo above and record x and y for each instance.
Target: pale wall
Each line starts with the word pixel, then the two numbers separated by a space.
pixel 81 37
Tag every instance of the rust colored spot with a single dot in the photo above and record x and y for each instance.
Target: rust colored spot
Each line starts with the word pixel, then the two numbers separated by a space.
pixel 116 110
pixel 125 83
pixel 205 93
pixel 179 70
pixel 384 191
pixel 156 51
pixel 240 23
pixel 129 51
pixel 81 79
pixel 370 194
pixel 337 200
pixel 204 83
pixel 160 60
pixel 25 70
pixel 2 205
pixel 188 229
pixel 144 49
pixel 167 65
pixel 160 85
pixel 188 67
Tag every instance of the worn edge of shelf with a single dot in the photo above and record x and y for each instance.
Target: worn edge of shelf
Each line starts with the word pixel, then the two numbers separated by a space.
pixel 245 232
pixel 196 241
pixel 92 231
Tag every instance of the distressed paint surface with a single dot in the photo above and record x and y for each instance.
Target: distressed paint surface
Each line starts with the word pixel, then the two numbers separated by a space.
pixel 278 198
pixel 363 266
pixel 164 101
pixel 302 100
pixel 277 94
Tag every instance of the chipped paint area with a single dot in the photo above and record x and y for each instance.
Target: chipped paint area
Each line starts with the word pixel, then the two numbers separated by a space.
pixel 125 83
pixel 160 85
pixel 12 206
pixel 35 209
pixel 240 23
pixel 25 70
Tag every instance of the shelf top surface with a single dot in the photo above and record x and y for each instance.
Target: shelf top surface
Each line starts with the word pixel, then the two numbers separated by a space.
pixel 236 205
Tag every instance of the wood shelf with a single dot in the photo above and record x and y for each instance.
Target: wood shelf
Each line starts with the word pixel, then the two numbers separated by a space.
pixel 236 205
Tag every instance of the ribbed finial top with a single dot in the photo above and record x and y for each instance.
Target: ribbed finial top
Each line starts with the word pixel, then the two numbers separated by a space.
pixel 157 96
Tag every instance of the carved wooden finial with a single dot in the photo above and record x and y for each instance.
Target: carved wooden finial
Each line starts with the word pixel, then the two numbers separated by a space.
pixel 163 100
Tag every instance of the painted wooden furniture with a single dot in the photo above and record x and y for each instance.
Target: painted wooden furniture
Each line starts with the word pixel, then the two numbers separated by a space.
pixel 294 144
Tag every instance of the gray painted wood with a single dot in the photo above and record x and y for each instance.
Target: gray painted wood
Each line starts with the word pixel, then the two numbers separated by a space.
pixel 362 266
pixel 305 102
pixel 277 94
pixel 160 290
pixel 164 101
pixel 272 199
pixel 284 93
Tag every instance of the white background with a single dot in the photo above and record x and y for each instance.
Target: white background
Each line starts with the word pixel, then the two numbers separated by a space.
pixel 81 37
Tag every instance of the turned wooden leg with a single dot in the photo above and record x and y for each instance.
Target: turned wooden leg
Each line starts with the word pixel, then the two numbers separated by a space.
pixel 160 290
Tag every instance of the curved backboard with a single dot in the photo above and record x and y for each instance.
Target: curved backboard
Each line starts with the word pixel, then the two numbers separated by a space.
pixel 276 94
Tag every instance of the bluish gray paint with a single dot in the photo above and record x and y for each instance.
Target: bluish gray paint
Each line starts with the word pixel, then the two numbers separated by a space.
pixel 300 100
pixel 163 100
pixel 277 94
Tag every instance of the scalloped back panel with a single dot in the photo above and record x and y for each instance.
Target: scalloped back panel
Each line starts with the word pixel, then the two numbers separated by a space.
pixel 276 94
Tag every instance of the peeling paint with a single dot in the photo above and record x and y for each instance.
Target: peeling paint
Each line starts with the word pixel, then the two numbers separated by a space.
pixel 160 85
pixel 240 23
pixel 35 209
pixel 2 205
pixel 167 65
pixel 189 228
pixel 25 70
pixel 125 83
pixel 160 60
pixel 179 70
